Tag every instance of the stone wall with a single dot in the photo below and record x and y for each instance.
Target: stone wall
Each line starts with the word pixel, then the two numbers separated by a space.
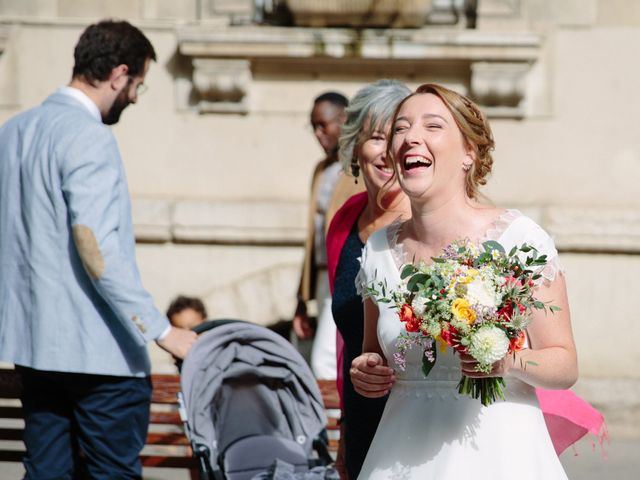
pixel 219 154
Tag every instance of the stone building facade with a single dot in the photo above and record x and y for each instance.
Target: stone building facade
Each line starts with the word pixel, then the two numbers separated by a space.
pixel 219 152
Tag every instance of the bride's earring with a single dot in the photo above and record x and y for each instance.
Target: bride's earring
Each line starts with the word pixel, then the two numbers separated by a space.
pixel 466 167
pixel 355 169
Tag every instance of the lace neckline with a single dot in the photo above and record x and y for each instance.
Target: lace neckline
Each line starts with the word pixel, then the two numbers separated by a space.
pixel 497 227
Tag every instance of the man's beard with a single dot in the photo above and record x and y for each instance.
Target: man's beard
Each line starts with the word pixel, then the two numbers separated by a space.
pixel 113 115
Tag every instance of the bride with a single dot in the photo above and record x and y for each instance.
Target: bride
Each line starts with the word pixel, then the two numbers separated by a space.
pixel 440 147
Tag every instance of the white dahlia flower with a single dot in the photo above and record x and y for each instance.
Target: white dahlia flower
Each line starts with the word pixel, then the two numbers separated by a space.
pixel 488 344
pixel 482 292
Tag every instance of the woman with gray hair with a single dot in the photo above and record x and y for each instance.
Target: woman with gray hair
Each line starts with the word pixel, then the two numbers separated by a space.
pixel 363 150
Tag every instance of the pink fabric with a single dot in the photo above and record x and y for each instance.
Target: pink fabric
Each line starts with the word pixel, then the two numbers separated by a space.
pixel 568 417
pixel 337 234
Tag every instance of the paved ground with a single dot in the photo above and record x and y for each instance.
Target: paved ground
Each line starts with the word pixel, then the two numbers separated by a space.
pixel 622 463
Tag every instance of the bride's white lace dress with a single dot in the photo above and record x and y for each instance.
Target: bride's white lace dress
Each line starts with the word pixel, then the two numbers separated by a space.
pixel 429 431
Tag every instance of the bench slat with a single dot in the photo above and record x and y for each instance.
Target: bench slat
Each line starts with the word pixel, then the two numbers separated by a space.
pixel 165 388
pixel 166 438
pixel 165 418
pixel 11 412
pixel 10 433
pixel 168 462
pixel 14 456
pixel 10 384
pixel 329 393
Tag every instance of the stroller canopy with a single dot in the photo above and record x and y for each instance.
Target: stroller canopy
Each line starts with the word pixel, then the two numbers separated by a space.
pixel 242 379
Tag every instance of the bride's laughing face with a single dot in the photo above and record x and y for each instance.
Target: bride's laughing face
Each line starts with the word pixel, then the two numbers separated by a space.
pixel 428 150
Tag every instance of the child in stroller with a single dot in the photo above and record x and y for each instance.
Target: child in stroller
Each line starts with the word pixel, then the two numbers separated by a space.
pixel 249 400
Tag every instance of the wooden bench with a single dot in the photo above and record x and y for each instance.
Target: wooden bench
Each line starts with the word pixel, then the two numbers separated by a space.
pixel 166 445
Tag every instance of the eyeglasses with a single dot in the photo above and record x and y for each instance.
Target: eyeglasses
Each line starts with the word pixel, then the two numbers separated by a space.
pixel 140 88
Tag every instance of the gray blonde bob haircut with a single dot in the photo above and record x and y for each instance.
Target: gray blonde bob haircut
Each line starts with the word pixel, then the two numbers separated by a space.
pixel 376 103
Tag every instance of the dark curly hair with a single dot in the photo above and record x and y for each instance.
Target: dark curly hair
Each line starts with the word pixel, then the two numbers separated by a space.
pixel 334 98
pixel 182 302
pixel 107 44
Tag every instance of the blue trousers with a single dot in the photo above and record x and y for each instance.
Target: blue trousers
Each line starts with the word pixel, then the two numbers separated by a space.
pixel 81 426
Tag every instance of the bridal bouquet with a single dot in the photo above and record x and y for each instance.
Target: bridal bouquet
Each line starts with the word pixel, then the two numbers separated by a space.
pixel 476 299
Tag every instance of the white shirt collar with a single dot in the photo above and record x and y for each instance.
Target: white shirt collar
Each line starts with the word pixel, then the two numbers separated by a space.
pixel 83 99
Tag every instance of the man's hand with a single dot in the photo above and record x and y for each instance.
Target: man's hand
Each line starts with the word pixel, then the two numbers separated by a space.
pixel 370 377
pixel 302 326
pixel 178 342
pixel 301 323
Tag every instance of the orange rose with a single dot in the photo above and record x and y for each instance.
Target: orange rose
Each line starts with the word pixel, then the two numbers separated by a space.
pixel 408 316
pixel 516 344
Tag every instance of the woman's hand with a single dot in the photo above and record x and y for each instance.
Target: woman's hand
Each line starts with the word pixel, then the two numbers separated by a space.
pixel 499 369
pixel 370 377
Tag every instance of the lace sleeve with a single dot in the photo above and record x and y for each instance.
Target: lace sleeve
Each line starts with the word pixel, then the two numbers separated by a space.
pixel 361 277
pixel 368 280
pixel 542 241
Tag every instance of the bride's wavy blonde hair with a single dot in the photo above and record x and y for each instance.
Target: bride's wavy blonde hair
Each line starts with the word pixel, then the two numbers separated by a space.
pixel 473 125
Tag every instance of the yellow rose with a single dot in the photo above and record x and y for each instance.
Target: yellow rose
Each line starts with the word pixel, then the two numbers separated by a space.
pixel 468 278
pixel 462 310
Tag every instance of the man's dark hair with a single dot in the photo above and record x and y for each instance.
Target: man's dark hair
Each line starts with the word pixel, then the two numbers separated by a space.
pixel 107 44
pixel 334 98
pixel 182 302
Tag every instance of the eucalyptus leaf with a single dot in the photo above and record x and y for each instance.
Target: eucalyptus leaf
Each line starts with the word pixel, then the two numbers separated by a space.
pixel 484 257
pixel 407 270
pixel 415 280
pixel 492 245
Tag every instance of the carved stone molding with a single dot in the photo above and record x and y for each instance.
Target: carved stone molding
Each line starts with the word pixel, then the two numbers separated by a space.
pixel 269 222
pixel 495 66
pixel 264 222
pixel 499 8
pixel 360 13
pixel 222 85
pixel 500 87
pixel 595 229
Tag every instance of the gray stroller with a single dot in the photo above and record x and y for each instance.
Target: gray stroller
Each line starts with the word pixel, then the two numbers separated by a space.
pixel 248 400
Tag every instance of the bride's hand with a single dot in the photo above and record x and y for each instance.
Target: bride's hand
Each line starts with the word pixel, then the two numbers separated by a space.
pixel 370 377
pixel 499 369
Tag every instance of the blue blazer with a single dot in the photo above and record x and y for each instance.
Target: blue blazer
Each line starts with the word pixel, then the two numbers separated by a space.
pixel 71 299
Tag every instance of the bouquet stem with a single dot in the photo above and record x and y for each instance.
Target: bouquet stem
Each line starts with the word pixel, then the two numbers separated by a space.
pixel 487 389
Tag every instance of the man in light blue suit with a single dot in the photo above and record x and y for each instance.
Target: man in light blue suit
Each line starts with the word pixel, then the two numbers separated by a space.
pixel 74 316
